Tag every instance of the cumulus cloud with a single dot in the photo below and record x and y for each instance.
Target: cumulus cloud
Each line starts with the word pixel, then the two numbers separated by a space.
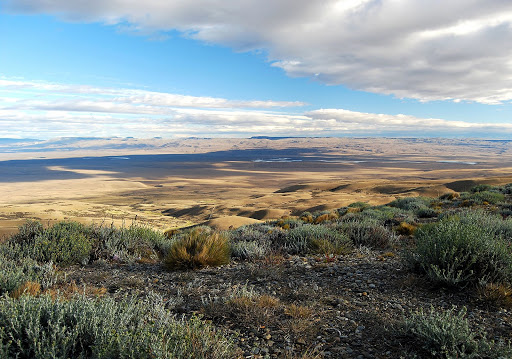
pixel 115 96
pixel 42 110
pixel 428 50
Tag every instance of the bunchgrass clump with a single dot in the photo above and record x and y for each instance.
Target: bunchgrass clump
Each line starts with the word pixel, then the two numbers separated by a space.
pixel 40 328
pixel 456 253
pixel 446 334
pixel 198 247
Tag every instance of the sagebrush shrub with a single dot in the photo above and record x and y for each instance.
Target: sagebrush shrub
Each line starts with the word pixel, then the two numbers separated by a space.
pixel 491 222
pixel 251 242
pixel 16 270
pixel 447 334
pixel 310 238
pixel 411 203
pixel 198 248
pixel 27 232
pixel 484 197
pixel 41 328
pixel 366 232
pixel 136 242
pixel 456 253
pixel 64 243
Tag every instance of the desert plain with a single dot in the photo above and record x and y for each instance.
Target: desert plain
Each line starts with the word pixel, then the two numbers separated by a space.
pixel 227 182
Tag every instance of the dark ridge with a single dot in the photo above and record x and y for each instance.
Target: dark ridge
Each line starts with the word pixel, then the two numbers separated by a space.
pixel 338 188
pixel 293 188
pixel 461 186
pixel 193 211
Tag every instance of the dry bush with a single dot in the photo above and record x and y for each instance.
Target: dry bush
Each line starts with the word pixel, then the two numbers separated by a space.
pixel 69 290
pixel 198 248
pixel 27 288
pixel 300 323
pixel 259 309
pixel 406 229
pixel 499 294
pixel 298 311
pixel 331 216
pixel 274 259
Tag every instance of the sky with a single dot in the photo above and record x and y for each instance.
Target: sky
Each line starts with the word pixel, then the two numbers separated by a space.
pixel 242 68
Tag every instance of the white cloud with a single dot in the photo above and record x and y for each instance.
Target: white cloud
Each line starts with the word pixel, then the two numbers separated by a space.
pixel 40 110
pixel 428 50
pixel 132 96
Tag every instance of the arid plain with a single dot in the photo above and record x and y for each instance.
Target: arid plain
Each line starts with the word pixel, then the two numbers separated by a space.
pixel 228 182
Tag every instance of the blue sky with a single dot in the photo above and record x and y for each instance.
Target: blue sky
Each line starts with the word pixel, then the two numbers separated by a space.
pixel 236 68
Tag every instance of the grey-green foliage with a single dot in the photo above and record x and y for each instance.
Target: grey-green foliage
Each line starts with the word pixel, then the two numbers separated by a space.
pixel 490 197
pixel 40 328
pixel 16 270
pixel 64 243
pixel 27 232
pixel 382 213
pixel 492 222
pixel 366 232
pixel 68 242
pixel 130 243
pixel 457 253
pixel 310 238
pixel 446 334
pixel 411 203
pixel 250 242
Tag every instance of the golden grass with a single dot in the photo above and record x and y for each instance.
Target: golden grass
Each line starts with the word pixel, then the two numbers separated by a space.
pixel 198 248
pixel 27 288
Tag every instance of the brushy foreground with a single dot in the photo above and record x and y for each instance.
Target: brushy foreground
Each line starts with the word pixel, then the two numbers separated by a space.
pixel 457 241
pixel 42 328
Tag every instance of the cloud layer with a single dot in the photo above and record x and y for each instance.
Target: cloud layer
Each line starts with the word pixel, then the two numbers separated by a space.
pixel 46 110
pixel 429 50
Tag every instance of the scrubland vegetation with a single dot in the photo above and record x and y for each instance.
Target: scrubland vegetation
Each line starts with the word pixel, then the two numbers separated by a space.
pixel 457 242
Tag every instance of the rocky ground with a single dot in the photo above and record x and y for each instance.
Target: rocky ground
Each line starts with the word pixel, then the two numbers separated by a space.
pixel 299 307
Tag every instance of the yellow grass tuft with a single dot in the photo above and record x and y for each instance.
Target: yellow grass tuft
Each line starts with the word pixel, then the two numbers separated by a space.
pixel 198 248
pixel 27 288
pixel 406 229
pixel 500 294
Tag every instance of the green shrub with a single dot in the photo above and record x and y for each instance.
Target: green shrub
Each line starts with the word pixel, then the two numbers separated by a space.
pixel 250 242
pixel 136 242
pixel 40 328
pixel 484 197
pixel 27 232
pixel 64 243
pixel 491 222
pixel 366 232
pixel 411 203
pixel 249 250
pixel 310 238
pixel 381 213
pixel 482 188
pixel 361 205
pixel 14 271
pixel 426 212
pixel 456 253
pixel 446 334
pixel 198 248
pixel 287 223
